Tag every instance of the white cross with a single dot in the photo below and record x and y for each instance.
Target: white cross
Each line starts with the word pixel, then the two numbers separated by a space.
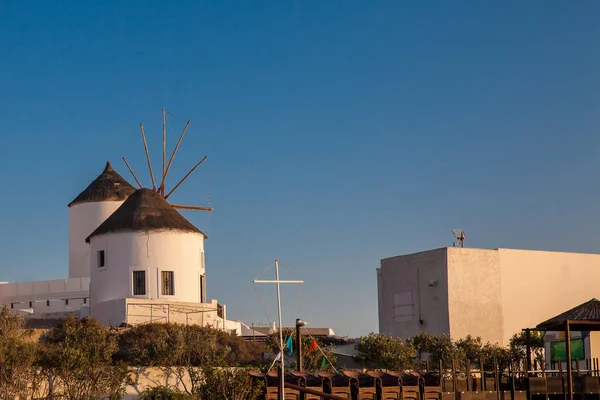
pixel 277 281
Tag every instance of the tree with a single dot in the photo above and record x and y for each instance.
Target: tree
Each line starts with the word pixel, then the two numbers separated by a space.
pixel 77 355
pixel 385 352
pixel 19 375
pixel 518 346
pixel 439 347
pixel 444 348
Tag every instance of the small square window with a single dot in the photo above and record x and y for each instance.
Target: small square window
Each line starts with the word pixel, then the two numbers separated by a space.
pixel 101 259
pixel 168 286
pixel 139 283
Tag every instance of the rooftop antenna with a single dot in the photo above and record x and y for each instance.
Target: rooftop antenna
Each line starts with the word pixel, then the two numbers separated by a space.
pixel 460 235
pixel 166 166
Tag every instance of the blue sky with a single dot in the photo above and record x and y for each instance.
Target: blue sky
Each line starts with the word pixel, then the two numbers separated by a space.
pixel 338 133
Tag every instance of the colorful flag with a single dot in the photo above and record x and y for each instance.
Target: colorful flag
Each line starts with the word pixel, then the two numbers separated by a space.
pixel 324 363
pixel 290 346
pixel 313 347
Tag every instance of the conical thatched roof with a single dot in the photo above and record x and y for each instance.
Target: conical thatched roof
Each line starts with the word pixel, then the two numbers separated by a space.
pixel 145 210
pixel 108 186
pixel 586 312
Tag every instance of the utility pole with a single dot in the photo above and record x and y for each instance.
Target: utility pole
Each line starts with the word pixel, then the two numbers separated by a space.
pixel 299 361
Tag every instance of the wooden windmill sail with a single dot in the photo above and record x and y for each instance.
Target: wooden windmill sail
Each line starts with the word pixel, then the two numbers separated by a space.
pixel 160 189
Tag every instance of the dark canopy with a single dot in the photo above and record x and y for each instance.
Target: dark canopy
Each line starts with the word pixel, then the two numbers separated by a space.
pixel 108 186
pixel 584 317
pixel 145 210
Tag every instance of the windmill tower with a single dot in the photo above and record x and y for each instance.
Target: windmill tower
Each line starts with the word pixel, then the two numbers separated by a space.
pixel 88 210
pixel 146 249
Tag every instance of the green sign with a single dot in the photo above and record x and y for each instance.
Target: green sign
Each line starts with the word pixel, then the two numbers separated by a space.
pixel 558 350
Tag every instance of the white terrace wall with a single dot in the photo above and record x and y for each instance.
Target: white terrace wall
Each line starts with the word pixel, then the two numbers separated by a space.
pixel 140 311
pixel 51 296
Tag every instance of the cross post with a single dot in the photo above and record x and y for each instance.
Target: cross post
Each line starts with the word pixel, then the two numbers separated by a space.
pixel 280 375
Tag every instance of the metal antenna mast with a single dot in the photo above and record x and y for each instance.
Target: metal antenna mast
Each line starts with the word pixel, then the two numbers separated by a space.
pixel 460 235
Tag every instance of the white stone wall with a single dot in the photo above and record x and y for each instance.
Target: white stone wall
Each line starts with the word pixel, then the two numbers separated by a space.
pixel 84 218
pixel 152 252
pixel 46 296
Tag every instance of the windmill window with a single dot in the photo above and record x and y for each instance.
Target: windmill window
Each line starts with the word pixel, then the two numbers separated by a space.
pixel 168 286
pixel 139 283
pixel 101 259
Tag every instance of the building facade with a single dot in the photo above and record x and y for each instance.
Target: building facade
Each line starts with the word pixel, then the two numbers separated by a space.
pixel 488 293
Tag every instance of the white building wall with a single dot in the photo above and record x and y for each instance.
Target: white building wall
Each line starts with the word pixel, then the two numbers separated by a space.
pixel 538 285
pixel 474 294
pixel 421 280
pixel 84 218
pixel 152 252
pixel 488 293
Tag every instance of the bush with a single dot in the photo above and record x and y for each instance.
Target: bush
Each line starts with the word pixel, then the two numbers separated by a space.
pixel 227 384
pixel 385 352
pixel 77 356
pixel 162 393
pixel 175 344
pixel 19 376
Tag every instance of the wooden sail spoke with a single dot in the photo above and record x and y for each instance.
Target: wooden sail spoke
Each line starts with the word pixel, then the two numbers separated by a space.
pixel 185 207
pixel 148 157
pixel 130 170
pixel 184 178
pixel 162 184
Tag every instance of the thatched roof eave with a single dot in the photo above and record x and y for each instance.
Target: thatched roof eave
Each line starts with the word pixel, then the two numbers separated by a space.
pixel 145 211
